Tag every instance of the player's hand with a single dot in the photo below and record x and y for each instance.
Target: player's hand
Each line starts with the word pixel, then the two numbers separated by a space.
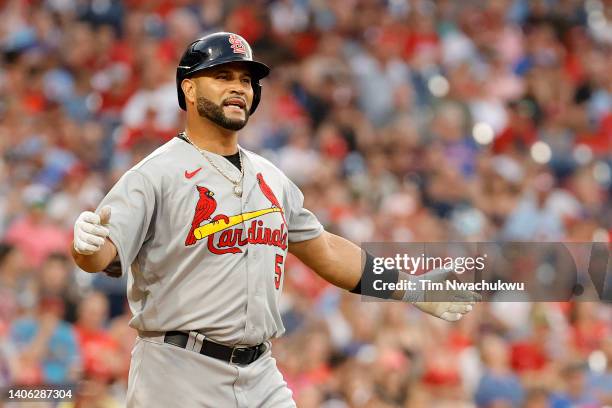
pixel 90 232
pixel 449 305
pixel 449 311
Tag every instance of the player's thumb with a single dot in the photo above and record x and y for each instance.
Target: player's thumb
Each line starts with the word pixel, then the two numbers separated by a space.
pixel 105 214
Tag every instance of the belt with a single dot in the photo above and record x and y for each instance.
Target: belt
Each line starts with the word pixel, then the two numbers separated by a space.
pixel 197 342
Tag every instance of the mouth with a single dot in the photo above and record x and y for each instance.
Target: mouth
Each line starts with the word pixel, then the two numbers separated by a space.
pixel 235 102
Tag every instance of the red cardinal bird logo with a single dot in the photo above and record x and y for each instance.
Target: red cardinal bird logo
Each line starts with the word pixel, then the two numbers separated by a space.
pixel 204 208
pixel 267 191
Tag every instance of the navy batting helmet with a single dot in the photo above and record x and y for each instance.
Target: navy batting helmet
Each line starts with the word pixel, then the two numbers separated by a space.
pixel 218 49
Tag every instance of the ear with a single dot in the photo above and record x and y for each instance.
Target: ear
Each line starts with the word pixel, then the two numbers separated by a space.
pixel 188 87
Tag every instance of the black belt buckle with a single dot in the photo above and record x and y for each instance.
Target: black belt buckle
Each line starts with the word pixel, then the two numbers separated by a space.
pixel 242 355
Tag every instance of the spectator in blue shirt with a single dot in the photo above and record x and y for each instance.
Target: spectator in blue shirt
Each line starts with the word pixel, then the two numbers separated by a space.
pixel 46 346
pixel 498 386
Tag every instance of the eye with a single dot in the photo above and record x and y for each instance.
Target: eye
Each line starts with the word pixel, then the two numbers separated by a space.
pixel 246 80
pixel 221 76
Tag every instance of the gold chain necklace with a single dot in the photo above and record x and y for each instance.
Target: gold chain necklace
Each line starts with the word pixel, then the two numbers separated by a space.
pixel 237 183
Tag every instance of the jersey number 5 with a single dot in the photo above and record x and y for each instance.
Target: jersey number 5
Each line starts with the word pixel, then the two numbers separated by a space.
pixel 278 270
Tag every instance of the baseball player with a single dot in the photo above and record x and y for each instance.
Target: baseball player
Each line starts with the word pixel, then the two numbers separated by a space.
pixel 202 227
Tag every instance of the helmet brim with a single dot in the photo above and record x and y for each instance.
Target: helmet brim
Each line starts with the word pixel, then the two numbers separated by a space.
pixel 258 69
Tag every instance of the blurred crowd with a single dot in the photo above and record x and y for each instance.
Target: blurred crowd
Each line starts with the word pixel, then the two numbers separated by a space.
pixel 401 120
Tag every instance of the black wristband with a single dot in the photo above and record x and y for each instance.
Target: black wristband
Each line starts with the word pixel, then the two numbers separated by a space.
pixel 366 285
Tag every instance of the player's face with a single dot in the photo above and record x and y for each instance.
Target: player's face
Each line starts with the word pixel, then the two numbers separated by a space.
pixel 224 95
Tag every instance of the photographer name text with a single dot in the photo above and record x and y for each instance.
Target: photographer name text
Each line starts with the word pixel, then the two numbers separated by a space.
pixel 428 285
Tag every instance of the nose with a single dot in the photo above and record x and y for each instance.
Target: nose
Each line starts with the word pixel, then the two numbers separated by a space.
pixel 239 86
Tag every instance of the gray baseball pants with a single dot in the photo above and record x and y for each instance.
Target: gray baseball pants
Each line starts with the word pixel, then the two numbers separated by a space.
pixel 163 375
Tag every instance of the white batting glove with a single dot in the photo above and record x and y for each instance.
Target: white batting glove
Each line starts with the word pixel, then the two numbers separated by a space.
pixel 89 231
pixel 449 305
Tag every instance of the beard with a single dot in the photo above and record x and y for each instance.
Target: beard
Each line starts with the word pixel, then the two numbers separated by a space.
pixel 210 110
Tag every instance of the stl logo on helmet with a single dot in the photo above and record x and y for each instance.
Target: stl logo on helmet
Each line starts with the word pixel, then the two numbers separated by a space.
pixel 237 44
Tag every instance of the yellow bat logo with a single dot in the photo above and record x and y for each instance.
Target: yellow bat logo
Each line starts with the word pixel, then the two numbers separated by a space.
pixel 220 225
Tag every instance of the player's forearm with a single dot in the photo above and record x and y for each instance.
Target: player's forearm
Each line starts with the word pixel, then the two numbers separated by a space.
pixel 340 262
pixel 97 261
pixel 333 258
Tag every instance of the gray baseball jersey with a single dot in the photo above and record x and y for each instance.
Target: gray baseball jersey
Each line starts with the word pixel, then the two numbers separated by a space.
pixel 201 257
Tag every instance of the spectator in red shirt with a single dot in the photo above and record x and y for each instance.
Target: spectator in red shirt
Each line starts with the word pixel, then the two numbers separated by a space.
pixel 588 329
pixel 101 357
